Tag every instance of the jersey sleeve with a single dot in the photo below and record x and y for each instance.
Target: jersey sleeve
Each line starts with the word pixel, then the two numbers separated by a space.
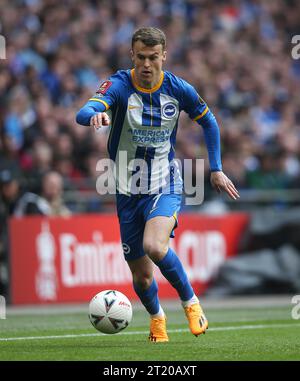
pixel 105 97
pixel 108 92
pixel 198 110
pixel 192 103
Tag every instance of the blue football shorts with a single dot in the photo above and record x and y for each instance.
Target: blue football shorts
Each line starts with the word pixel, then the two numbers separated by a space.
pixel 133 213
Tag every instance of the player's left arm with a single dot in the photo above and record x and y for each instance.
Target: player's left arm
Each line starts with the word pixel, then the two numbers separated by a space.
pixel 218 179
pixel 199 112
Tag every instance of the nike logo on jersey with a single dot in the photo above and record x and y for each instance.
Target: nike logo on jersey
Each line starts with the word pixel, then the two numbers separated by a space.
pixel 130 107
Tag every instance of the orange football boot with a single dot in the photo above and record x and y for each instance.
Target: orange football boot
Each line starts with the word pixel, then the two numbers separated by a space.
pixel 158 330
pixel 197 321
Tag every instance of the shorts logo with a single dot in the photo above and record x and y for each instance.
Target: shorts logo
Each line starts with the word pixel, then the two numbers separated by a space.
pixel 104 87
pixel 152 210
pixel 126 248
pixel 169 110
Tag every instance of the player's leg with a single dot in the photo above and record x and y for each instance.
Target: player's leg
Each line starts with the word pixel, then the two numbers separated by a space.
pixel 156 245
pixel 144 284
pixel 146 288
pixel 157 232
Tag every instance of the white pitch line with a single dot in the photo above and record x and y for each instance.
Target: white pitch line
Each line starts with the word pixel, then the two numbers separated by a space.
pixel 215 329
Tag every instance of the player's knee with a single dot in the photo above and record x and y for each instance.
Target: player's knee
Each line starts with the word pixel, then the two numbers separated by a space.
pixel 156 250
pixel 143 280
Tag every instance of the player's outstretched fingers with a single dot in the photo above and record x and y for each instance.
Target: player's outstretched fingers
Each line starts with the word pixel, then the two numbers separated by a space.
pixel 222 183
pixel 233 191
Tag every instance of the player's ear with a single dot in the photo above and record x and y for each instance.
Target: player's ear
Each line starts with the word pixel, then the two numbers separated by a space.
pixel 164 55
pixel 131 55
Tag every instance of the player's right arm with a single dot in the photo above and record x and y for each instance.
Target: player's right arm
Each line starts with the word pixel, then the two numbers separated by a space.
pixel 93 113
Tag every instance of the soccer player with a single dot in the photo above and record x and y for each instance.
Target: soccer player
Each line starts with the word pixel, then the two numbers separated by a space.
pixel 144 104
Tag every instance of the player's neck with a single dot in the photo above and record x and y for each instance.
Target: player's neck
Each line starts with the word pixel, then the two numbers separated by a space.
pixel 148 85
pixel 140 83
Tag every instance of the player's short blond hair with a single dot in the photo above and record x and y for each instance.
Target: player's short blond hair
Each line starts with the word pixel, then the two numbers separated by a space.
pixel 150 37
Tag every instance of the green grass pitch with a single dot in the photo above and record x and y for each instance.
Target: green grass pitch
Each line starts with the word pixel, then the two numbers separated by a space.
pixel 256 333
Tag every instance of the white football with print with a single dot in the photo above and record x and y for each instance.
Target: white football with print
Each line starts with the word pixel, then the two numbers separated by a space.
pixel 110 311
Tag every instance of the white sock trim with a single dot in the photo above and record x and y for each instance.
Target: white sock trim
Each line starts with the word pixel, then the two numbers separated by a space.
pixel 187 303
pixel 159 314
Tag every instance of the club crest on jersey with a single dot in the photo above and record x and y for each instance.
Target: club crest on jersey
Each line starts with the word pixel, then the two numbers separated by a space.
pixel 104 87
pixel 169 110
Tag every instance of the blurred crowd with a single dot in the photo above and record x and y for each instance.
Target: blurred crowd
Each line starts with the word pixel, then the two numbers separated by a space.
pixel 237 54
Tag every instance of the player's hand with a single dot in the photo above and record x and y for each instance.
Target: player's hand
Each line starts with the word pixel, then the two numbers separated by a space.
pixel 100 119
pixel 221 182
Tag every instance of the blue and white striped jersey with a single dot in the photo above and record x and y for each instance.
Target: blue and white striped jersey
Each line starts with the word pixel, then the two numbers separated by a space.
pixel 144 124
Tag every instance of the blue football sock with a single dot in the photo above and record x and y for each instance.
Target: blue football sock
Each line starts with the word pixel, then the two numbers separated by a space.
pixel 172 269
pixel 149 297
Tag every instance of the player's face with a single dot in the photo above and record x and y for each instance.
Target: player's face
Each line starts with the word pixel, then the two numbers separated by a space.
pixel 147 61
